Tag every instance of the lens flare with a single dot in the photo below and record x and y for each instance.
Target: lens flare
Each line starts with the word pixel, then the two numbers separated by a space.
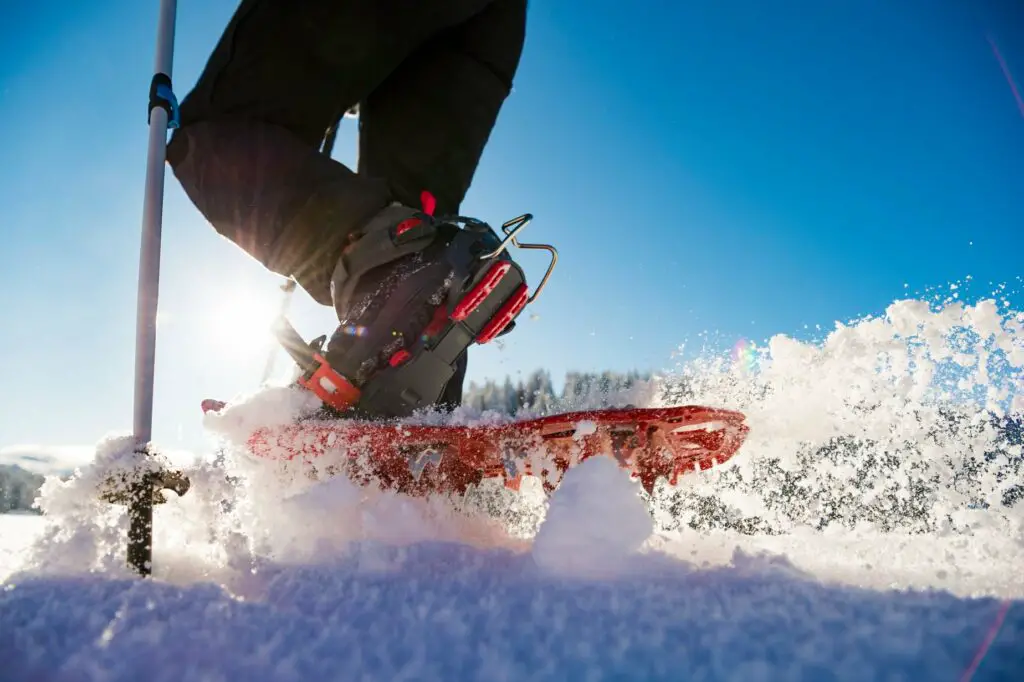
pixel 354 330
pixel 1006 74
pixel 744 355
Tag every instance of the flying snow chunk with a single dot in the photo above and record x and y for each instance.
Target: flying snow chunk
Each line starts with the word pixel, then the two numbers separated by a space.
pixel 268 407
pixel 596 520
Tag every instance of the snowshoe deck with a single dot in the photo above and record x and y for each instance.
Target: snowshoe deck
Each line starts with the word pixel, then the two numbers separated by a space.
pixel 419 459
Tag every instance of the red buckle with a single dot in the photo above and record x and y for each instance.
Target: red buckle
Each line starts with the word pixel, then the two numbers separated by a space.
pixel 512 307
pixel 400 357
pixel 429 205
pixel 332 388
pixel 437 324
pixel 429 202
pixel 481 291
pixel 406 225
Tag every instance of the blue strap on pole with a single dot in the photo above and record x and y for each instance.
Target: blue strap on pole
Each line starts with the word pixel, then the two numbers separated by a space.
pixel 161 94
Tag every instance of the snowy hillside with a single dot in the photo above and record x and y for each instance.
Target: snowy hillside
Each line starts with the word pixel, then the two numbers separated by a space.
pixel 44 460
pixel 894 557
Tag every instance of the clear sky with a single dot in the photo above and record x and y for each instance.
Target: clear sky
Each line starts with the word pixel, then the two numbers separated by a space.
pixel 743 168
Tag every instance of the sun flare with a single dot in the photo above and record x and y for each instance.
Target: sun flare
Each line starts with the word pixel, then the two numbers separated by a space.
pixel 241 319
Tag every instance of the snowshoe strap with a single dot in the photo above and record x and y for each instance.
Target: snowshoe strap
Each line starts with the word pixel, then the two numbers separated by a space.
pixel 394 232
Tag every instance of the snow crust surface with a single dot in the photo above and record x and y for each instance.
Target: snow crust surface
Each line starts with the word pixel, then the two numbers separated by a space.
pixel 740 573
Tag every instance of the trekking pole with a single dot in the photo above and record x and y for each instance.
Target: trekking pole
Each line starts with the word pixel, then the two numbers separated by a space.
pixel 163 114
pixel 288 289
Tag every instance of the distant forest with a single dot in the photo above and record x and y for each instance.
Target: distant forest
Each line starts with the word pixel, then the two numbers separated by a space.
pixel 18 488
pixel 536 393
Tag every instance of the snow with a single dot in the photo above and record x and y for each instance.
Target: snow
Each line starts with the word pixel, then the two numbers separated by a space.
pixel 434 610
pixel 17 533
pixel 272 406
pixel 595 522
pixel 894 560
pixel 585 428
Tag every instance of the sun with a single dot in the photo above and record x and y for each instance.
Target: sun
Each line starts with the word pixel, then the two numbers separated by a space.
pixel 240 320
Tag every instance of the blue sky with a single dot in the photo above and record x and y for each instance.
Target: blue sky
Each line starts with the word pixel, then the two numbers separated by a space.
pixel 739 168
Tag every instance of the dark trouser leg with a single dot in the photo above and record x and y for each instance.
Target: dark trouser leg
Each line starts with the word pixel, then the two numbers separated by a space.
pixel 286 205
pixel 426 125
pixel 283 72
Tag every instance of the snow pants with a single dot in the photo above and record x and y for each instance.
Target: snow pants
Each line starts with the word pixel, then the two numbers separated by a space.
pixel 428 77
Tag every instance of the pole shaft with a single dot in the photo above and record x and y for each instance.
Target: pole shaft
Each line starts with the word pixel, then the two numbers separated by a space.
pixel 152 223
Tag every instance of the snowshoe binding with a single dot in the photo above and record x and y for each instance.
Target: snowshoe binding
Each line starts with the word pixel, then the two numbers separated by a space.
pixel 412 293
